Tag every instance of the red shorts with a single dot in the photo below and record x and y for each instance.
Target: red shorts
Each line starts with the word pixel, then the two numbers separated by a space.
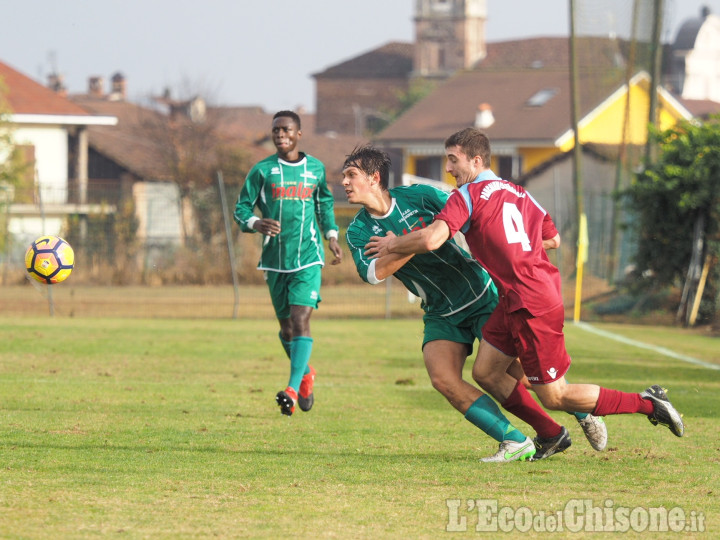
pixel 539 342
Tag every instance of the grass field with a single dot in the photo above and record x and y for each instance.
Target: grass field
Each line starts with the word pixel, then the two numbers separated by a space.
pixel 167 428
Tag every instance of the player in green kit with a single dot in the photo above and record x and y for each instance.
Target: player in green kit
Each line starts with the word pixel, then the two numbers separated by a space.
pixel 290 191
pixel 457 294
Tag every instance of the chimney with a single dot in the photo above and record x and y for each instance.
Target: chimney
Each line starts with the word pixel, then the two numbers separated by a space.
pixel 484 116
pixel 118 90
pixel 96 87
pixel 56 83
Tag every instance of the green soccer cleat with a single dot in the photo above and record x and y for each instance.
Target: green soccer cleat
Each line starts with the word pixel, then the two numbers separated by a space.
pixel 512 451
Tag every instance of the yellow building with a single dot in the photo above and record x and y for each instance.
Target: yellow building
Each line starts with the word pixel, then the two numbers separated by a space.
pixel 520 96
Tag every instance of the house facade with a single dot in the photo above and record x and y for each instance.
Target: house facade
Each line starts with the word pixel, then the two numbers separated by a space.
pixel 524 106
pixel 52 133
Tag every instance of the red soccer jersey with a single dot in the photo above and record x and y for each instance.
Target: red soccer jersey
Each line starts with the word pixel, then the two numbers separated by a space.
pixel 504 228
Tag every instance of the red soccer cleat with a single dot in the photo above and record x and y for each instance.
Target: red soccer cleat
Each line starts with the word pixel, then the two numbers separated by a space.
pixel 306 397
pixel 286 400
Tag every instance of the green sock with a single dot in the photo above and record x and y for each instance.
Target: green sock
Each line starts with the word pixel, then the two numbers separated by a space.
pixel 300 349
pixel 486 415
pixel 285 344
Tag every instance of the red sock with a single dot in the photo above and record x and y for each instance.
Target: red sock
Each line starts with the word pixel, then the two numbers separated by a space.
pixel 617 402
pixel 522 405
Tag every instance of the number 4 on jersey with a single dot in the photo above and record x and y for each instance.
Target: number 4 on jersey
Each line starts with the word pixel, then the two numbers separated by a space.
pixel 514 226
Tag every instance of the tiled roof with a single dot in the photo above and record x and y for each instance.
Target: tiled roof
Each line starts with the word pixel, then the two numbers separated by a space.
pixel 132 146
pixel 553 53
pixel 332 151
pixel 453 106
pixel 393 60
pixel 512 73
pixel 701 108
pixel 25 96
pixel 252 124
pixel 546 52
pixel 127 143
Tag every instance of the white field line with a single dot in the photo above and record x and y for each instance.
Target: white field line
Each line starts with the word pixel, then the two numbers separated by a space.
pixel 660 350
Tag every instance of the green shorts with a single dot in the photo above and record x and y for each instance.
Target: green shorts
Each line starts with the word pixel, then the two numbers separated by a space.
pixel 301 288
pixel 463 327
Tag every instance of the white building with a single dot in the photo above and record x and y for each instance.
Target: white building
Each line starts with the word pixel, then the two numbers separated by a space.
pixel 51 131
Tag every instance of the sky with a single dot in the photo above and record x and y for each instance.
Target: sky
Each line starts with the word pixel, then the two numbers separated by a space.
pixel 249 52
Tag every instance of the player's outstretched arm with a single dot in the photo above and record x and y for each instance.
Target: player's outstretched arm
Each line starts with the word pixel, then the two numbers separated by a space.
pixel 421 241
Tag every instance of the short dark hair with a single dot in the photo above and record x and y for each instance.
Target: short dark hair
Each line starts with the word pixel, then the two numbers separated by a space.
pixel 290 114
pixel 472 142
pixel 370 160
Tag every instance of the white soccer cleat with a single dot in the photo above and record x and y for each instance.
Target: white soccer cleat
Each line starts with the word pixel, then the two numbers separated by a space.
pixel 512 451
pixel 595 431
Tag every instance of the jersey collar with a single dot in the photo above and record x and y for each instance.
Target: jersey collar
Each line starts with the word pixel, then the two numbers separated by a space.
pixel 486 175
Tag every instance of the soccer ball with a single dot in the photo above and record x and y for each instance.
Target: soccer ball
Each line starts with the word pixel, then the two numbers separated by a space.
pixel 49 259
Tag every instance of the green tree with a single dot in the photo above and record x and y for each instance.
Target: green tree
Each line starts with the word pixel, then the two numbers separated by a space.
pixel 676 201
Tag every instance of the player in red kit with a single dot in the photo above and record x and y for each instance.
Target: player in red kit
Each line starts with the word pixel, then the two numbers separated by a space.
pixel 507 231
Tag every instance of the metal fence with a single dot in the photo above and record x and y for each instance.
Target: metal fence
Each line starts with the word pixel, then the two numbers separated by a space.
pixel 148 241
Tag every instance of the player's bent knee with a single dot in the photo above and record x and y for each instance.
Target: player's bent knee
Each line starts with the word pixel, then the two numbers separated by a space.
pixel 550 401
pixel 482 376
pixel 443 385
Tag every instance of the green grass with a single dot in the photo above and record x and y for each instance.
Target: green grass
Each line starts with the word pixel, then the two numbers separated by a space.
pixel 160 428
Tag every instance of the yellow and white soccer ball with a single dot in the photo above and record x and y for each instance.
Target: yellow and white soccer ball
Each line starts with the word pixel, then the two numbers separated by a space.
pixel 50 259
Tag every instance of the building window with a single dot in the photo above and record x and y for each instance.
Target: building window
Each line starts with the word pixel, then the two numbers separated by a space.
pixel 429 167
pixel 509 167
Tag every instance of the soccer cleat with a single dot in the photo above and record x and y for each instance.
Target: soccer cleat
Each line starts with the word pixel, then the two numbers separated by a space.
pixel 305 395
pixel 547 447
pixel 664 413
pixel 512 451
pixel 595 431
pixel 286 399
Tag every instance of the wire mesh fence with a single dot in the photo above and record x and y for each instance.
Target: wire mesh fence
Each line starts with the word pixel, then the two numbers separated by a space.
pixel 148 255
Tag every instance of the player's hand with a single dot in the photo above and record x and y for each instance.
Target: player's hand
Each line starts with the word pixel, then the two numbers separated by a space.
pixel 267 226
pixel 379 245
pixel 335 248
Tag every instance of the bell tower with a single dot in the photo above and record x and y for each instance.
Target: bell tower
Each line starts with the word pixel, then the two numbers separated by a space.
pixel 449 36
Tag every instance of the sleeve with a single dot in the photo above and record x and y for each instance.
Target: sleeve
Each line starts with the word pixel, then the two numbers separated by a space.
pixel 244 215
pixel 431 198
pixel 440 198
pixel 455 213
pixel 324 210
pixel 548 228
pixel 357 237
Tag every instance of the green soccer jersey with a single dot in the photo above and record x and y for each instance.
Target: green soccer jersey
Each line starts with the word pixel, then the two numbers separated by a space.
pixel 296 195
pixel 447 279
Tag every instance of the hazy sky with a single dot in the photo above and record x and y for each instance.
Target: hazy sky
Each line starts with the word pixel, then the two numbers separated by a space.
pixel 247 52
